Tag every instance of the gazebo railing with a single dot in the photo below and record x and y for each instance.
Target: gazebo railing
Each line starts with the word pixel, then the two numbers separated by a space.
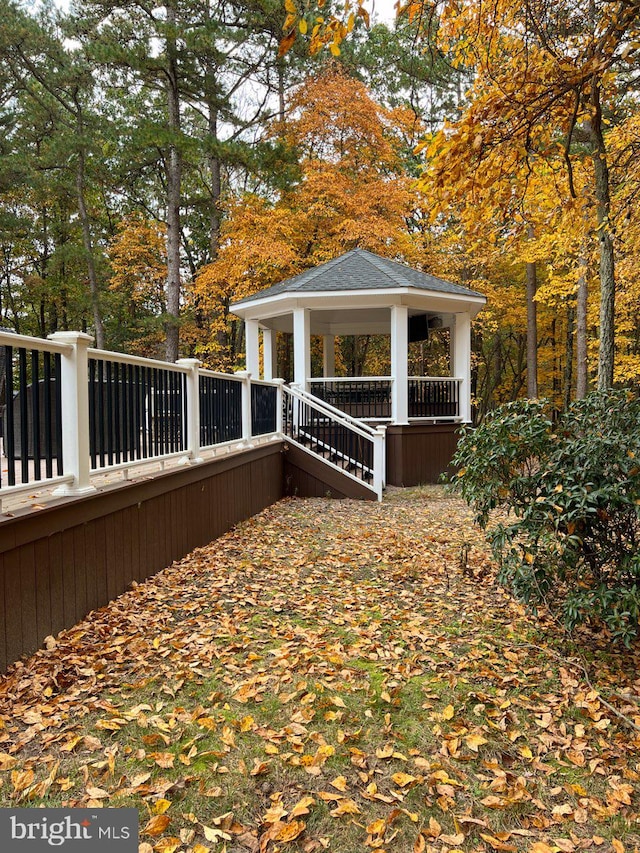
pixel 434 397
pixel 369 397
pixel 363 397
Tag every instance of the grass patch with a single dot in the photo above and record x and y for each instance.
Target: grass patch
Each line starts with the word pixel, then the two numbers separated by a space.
pixel 366 694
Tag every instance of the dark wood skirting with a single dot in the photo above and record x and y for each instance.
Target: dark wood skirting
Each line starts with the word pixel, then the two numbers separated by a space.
pixel 59 563
pixel 306 476
pixel 419 453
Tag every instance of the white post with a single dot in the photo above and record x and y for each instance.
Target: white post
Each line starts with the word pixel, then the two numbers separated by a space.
pixel 252 346
pixel 74 387
pixel 399 364
pixel 246 404
pixel 302 347
pixel 379 461
pixel 269 353
pixel 193 409
pixel 279 406
pixel 461 367
pixel 328 355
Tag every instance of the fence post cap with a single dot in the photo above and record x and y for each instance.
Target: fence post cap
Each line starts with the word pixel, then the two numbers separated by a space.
pixel 189 362
pixel 71 337
pixel 242 374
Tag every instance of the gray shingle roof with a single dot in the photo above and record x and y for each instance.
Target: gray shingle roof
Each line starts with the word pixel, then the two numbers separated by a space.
pixel 360 270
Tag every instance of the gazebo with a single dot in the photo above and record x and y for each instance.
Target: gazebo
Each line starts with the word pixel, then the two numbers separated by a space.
pixel 361 293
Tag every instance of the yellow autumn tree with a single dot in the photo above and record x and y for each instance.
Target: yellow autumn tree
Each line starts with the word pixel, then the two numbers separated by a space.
pixel 625 150
pixel 549 82
pixel 352 191
pixel 138 259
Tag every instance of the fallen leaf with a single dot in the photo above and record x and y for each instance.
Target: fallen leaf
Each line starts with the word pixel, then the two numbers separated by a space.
pixel 402 780
pixel 345 806
pixel 290 831
pixel 157 825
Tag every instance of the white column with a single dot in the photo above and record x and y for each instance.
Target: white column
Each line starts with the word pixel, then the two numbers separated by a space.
pixel 269 353
pixel 461 364
pixel 193 409
pixel 379 460
pixel 246 404
pixel 280 406
pixel 399 364
pixel 328 355
pixel 302 347
pixel 252 347
pixel 74 387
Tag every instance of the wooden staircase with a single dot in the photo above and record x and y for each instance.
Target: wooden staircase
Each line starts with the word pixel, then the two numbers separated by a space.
pixel 350 447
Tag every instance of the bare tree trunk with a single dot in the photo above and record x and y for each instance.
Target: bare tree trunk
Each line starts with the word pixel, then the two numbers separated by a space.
pixel 281 97
pixel 568 363
pixel 174 180
pixel 532 327
pixel 606 352
pixel 216 191
pixel 532 333
pixel 582 368
pixel 88 249
pixel 210 80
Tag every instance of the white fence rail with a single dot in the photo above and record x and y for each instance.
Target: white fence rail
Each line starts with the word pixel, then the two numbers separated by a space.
pixel 71 412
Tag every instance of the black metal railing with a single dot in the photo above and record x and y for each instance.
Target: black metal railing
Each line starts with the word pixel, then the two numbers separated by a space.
pixel 327 437
pixel 433 398
pixel 136 412
pixel 31 407
pixel 220 410
pixel 360 398
pixel 264 401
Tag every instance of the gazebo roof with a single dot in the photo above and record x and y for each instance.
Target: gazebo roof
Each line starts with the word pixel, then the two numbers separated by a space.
pixel 359 270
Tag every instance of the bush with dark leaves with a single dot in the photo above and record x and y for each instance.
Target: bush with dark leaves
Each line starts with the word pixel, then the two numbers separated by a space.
pixel 572 493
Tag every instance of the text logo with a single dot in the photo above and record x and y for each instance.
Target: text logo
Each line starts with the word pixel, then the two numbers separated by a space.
pixel 33 830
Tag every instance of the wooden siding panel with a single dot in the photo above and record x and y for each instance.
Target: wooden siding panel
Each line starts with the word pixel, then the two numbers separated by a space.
pixel 4 662
pixel 28 598
pixel 110 570
pixel 118 553
pixel 43 589
pixel 91 566
pixel 13 607
pixel 127 557
pixel 56 583
pixel 143 548
pixel 419 453
pixel 99 536
pixel 70 614
pixel 80 571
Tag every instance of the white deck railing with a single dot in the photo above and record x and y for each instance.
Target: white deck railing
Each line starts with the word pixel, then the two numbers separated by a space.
pixel 72 413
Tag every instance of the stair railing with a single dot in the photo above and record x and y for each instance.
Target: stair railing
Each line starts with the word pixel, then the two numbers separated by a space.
pixel 347 444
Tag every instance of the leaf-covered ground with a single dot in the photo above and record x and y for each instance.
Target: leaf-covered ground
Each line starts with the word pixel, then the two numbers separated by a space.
pixel 332 675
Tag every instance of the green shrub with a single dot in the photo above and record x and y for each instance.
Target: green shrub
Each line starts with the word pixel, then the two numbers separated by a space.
pixel 572 491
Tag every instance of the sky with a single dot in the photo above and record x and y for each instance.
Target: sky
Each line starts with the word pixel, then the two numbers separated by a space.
pixel 384 10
